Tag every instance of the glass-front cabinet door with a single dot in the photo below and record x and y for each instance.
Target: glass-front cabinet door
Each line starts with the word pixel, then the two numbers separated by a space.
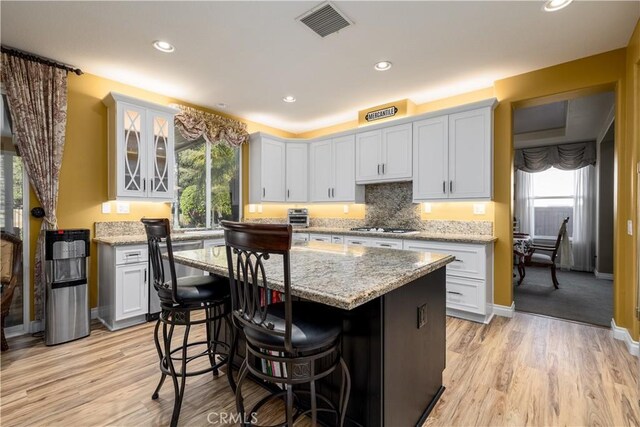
pixel 131 165
pixel 160 155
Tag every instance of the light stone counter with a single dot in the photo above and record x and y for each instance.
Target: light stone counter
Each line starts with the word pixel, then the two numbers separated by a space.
pixel 333 274
pixel 140 239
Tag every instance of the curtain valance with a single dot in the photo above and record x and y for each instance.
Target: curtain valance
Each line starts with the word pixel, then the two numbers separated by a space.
pixel 194 123
pixel 565 156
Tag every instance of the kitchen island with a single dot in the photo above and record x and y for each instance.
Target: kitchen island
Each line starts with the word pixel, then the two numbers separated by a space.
pixel 393 305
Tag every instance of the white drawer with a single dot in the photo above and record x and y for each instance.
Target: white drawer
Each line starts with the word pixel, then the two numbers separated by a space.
pixel 132 255
pixel 337 239
pixel 357 241
pixel 470 259
pixel 319 238
pixel 387 243
pixel 466 295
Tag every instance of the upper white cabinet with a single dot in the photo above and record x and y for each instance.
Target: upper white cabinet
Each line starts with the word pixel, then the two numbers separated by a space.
pixel 267 162
pixel 453 156
pixel 141 149
pixel 297 171
pixel 384 155
pixel 332 171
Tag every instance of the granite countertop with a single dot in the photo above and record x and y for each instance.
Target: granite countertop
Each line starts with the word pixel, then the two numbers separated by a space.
pixel 332 274
pixel 439 237
pixel 140 239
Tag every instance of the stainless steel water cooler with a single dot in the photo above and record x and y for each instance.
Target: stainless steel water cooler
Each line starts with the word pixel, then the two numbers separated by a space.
pixel 66 295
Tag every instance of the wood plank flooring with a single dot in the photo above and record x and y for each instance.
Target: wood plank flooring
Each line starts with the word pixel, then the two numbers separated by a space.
pixel 528 370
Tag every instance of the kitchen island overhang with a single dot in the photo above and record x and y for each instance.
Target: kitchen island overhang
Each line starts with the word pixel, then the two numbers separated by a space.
pixel 393 305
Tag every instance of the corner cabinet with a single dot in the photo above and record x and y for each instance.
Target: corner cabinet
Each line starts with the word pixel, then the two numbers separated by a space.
pixel 141 149
pixel 453 156
pixel 332 171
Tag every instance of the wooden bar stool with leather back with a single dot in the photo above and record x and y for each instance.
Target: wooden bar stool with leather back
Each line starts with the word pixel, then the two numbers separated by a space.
pixel 179 299
pixel 301 338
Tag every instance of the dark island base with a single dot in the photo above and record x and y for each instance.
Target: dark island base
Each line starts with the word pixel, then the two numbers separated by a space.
pixel 395 349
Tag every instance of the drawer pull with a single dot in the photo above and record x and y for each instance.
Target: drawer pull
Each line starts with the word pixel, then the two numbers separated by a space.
pixel 457 260
pixel 454 293
pixel 385 245
pixel 356 243
pixel 132 254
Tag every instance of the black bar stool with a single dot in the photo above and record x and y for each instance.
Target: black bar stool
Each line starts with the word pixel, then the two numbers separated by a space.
pixel 179 299
pixel 302 338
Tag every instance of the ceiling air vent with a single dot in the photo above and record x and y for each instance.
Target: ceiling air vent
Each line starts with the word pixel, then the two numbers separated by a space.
pixel 325 19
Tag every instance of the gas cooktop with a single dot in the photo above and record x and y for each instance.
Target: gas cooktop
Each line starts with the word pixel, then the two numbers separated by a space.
pixel 384 230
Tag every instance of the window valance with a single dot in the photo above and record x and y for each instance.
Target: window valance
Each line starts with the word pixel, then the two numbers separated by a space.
pixel 565 156
pixel 193 124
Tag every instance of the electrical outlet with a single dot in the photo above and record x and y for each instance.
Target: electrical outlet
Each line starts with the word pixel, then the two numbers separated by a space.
pixel 427 207
pixel 122 207
pixel 252 208
pixel 259 208
pixel 630 227
pixel 106 208
pixel 422 315
pixel 345 208
pixel 479 209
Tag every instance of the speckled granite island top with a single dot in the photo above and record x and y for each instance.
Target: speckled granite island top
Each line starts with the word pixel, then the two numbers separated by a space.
pixel 332 274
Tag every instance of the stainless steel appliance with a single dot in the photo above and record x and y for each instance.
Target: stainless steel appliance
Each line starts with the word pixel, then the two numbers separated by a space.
pixel 66 291
pixel 298 217
pixel 181 271
pixel 385 230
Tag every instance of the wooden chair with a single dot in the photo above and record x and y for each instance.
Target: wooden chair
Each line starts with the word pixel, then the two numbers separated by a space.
pixel 301 339
pixel 11 260
pixel 537 259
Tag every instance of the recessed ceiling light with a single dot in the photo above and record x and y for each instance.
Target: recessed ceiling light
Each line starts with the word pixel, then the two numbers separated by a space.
pixel 382 65
pixel 553 5
pixel 221 105
pixel 289 99
pixel 163 46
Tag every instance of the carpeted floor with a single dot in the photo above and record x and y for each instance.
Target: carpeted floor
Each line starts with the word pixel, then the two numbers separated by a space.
pixel 581 296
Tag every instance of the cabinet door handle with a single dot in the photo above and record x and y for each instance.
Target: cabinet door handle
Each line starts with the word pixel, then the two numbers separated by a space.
pixel 383 169
pixel 144 184
pixel 264 191
pixel 288 194
pixel 328 192
pixel 333 192
pixel 378 169
pixel 450 186
pixel 444 187
pixel 145 275
pixel 454 293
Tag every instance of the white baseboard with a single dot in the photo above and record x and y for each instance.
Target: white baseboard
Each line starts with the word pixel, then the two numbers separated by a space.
pixel 503 310
pixel 623 334
pixel 605 276
pixel 94 313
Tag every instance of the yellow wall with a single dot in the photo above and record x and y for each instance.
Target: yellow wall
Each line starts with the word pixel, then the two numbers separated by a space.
pixel 83 178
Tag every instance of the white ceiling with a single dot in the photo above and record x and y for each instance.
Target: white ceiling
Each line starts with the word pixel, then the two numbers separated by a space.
pixel 251 54
pixel 585 119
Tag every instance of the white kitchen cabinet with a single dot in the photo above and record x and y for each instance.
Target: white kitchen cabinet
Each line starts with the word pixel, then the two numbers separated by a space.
pixel 469 277
pixel 453 157
pixel 384 155
pixel 297 171
pixel 431 158
pixel 131 291
pixel 141 159
pixel 471 155
pixel 331 171
pixel 267 173
pixel 123 285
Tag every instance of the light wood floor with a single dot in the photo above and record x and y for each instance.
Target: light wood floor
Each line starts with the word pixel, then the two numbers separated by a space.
pixel 528 370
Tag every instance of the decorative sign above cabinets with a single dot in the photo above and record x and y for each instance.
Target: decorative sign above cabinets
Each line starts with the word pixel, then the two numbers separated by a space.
pixel 381 114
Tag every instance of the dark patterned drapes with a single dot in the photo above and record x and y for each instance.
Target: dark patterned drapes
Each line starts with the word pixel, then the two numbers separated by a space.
pixel 37 99
pixel 565 156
